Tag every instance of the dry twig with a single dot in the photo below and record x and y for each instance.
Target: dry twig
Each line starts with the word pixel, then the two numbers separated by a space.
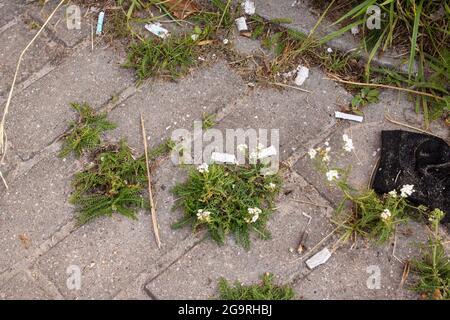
pixel 152 204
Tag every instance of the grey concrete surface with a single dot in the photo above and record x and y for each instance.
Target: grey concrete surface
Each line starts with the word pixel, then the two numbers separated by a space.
pixel 118 257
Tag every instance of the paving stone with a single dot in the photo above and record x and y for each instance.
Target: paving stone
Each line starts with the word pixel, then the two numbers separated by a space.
pixel 366 138
pixel 14 40
pixel 59 24
pixel 41 112
pixel 33 208
pixel 196 274
pixel 167 105
pixel 298 116
pixel 111 252
pixel 10 10
pixel 23 287
pixel 351 273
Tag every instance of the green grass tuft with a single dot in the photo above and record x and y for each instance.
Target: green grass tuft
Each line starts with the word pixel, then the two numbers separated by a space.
pixel 85 133
pixel 170 57
pixel 113 182
pixel 264 291
pixel 227 192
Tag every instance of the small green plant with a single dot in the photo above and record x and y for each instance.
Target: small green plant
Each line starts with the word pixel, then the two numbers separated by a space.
pixel 370 215
pixel 228 199
pixel 167 57
pixel 85 133
pixel 112 182
pixel 416 27
pixel 208 121
pixel 266 290
pixel 433 269
pixel 364 97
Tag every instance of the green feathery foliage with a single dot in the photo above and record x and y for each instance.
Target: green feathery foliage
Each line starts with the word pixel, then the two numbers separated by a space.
pixel 169 57
pixel 228 199
pixel 266 290
pixel 85 133
pixel 433 269
pixel 111 183
pixel 364 213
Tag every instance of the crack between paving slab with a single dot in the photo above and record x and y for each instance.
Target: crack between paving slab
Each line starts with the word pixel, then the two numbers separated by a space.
pixel 147 291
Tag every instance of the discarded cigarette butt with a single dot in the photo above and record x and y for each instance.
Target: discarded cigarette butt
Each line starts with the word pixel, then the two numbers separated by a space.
pixel 101 17
pixel 319 258
pixel 301 243
pixel 347 116
pixel 249 7
pixel 267 152
pixel 302 75
pixel 223 157
pixel 241 24
pixel 157 30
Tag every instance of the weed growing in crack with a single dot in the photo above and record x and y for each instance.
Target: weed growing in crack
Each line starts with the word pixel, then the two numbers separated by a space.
pixel 433 269
pixel 364 97
pixel 112 182
pixel 85 133
pixel 419 29
pixel 370 215
pixel 228 199
pixel 208 121
pixel 171 57
pixel 266 290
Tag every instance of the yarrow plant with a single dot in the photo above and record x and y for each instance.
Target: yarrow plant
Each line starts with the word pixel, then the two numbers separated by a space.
pixel 433 268
pixel 370 215
pixel 228 199
pixel 267 290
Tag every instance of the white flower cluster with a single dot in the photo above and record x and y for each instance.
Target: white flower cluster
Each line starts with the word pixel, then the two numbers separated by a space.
pixel 203 215
pixel 348 143
pixel 242 147
pixel 332 174
pixel 323 152
pixel 406 190
pixel 386 214
pixel 393 194
pixel 254 155
pixel 254 214
pixel 271 186
pixel 203 168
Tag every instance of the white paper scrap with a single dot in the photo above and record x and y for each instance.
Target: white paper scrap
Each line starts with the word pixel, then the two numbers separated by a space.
pixel 319 258
pixel 223 157
pixel 302 75
pixel 347 116
pixel 241 24
pixel 267 152
pixel 249 7
pixel 157 30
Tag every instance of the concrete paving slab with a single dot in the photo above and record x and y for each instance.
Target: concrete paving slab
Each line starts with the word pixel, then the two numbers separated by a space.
pixel 24 287
pixel 33 208
pixel 10 11
pixel 14 40
pixel 40 113
pixel 62 24
pixel 366 271
pixel 298 116
pixel 112 252
pixel 168 105
pixel 195 275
